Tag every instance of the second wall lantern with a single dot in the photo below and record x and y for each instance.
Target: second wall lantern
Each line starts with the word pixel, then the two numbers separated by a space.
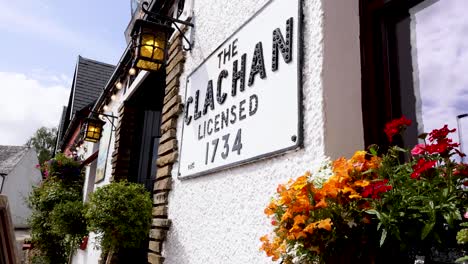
pixel 93 129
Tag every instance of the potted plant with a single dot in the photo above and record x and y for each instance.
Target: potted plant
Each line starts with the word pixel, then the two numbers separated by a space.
pixel 371 208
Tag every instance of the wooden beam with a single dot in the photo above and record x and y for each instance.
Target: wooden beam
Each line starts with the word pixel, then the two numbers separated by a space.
pixel 8 250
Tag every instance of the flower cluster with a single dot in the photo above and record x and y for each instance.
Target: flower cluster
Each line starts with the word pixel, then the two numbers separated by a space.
pixel 395 200
pixel 307 216
pixel 60 167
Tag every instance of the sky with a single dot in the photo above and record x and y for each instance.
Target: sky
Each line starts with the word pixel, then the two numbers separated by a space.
pixel 39 47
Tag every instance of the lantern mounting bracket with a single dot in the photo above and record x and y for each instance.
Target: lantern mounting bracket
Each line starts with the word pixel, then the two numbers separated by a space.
pixel 174 21
pixel 110 118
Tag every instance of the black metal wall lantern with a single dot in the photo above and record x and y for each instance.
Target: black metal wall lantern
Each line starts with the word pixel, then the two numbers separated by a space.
pixel 93 130
pixel 150 39
pixel 94 127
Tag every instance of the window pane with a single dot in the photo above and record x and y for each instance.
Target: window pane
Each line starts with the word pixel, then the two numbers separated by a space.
pixel 434 84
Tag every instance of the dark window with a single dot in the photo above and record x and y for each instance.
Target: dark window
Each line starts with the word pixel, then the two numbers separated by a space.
pixel 414 63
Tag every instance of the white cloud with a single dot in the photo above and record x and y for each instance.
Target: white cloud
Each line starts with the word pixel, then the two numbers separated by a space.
pixel 28 104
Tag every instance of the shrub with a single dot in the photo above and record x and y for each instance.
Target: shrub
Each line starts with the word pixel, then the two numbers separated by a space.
pixel 57 221
pixel 120 213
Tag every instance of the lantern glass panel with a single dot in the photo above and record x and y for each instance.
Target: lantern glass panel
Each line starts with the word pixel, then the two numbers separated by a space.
pixel 93 131
pixel 148 65
pixel 150 44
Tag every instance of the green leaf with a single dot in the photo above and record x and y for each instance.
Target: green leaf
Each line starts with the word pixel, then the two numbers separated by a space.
pixel 427 229
pixel 373 149
pixel 383 237
pixel 399 149
pixel 374 212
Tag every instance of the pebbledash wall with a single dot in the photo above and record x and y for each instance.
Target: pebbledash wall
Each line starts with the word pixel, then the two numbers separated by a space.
pixel 218 217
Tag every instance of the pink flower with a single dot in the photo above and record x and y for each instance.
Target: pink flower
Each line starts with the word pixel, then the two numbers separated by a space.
pixel 466 215
pixel 38 166
pixel 418 149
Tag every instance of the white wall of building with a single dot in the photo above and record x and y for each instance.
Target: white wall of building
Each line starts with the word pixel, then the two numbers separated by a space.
pixel 218 218
pixel 18 185
pixel 92 253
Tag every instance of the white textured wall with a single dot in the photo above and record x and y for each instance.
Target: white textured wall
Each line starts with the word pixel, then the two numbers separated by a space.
pixel 218 218
pixel 18 185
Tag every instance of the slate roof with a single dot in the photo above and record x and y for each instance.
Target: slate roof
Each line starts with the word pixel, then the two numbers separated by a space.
pixel 89 81
pixel 10 156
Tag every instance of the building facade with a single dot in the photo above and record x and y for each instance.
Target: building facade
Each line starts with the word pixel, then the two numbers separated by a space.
pixel 269 90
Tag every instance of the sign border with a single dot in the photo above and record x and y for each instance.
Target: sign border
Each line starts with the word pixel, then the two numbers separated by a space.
pixel 300 134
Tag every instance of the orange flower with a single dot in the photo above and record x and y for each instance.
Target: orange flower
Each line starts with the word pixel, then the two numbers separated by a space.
pixel 322 224
pixel 355 196
pixel 310 228
pixel 347 189
pixel 321 204
pixel 300 219
pixel 274 249
pixel 300 183
pixel 362 183
pixel 270 210
pixel 280 188
pixel 285 198
pixel 359 156
pixel 287 215
pixel 300 235
pixel 325 224
pixel 374 162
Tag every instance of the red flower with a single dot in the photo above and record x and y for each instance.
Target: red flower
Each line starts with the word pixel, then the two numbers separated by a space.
pixel 441 144
pixel 421 167
pixel 438 134
pixel 418 149
pixel 461 170
pixel 375 188
pixel 395 127
pixel 442 147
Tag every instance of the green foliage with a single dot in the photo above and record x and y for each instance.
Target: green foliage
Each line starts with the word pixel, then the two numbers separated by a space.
pixel 57 221
pixel 462 235
pixel 420 208
pixel 121 213
pixel 68 218
pixel 43 141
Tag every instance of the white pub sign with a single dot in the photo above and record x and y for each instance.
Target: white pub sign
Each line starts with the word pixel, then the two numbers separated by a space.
pixel 243 102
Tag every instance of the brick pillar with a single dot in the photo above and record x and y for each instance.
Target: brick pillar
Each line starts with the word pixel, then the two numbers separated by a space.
pixel 167 152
